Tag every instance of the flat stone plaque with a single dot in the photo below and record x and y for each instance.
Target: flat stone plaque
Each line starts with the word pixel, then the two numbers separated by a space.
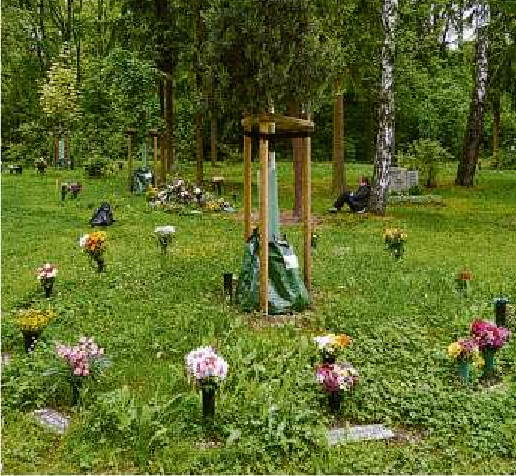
pixel 52 419
pixel 6 358
pixel 359 433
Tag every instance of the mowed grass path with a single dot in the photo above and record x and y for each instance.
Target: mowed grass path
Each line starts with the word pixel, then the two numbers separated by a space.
pixel 148 312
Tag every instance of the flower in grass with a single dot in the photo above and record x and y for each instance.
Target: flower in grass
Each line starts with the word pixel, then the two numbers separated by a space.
pixel 164 230
pixel 80 356
pixel 330 343
pixel 205 366
pixel 465 349
pixel 47 272
pixel 337 377
pixel 33 319
pixel 489 335
pixel 465 275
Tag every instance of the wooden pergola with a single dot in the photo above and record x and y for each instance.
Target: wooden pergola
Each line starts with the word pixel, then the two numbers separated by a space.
pixel 265 127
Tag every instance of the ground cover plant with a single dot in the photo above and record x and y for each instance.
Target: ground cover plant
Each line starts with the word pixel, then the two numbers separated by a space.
pixel 149 310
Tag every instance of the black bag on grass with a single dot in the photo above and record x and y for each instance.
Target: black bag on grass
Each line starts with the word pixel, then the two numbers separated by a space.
pixel 102 216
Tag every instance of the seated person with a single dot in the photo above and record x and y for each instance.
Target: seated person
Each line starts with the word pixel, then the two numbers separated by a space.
pixel 357 201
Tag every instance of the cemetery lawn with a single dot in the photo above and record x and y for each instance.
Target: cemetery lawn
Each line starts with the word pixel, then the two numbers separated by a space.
pixel 148 312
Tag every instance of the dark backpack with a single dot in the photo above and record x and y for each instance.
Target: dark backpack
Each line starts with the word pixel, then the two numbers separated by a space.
pixel 102 216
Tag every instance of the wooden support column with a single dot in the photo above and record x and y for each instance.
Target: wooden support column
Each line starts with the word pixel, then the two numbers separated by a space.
pixel 264 220
pixel 247 187
pixel 130 133
pixel 307 219
pixel 163 161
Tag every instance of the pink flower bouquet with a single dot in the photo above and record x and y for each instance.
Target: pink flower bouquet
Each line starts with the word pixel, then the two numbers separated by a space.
pixel 489 335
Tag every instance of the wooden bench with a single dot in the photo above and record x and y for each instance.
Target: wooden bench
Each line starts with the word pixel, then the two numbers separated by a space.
pixel 15 168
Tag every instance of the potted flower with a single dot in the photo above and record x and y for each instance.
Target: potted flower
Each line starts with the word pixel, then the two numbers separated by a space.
pixel 500 307
pixel 81 359
pixel 41 165
pixel 330 344
pixel 164 235
pixel 75 188
pixel 465 352
pixel 95 244
pixel 31 323
pixel 207 370
pixel 335 380
pixel 395 241
pixel 313 240
pixel 462 280
pixel 490 338
pixel 64 190
pixel 198 195
pixel 46 276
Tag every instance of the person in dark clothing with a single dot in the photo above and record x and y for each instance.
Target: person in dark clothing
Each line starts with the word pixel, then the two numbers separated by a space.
pixel 357 201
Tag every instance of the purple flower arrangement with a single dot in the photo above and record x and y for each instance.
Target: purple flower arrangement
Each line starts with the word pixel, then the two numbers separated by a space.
pixel 337 377
pixel 489 335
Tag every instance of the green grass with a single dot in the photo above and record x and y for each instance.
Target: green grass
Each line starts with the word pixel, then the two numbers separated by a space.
pixel 142 416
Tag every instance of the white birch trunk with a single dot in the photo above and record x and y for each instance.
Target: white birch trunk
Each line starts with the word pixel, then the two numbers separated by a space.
pixel 385 138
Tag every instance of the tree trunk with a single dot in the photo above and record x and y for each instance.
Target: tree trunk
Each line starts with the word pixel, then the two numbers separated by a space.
pixel 68 31
pixel 339 173
pixel 169 118
pixel 199 147
pixel 385 138
pixel 475 127
pixel 495 161
pixel 213 130
pixel 100 14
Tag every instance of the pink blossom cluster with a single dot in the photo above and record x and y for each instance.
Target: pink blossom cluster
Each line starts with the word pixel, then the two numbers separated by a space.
pixel 47 272
pixel 79 356
pixel 489 335
pixel 336 377
pixel 203 364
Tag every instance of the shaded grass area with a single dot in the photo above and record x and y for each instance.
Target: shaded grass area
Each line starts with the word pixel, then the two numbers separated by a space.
pixel 148 312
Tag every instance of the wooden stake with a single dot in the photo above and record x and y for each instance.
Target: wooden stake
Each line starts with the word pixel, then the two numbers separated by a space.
pixel 307 206
pixel 247 187
pixel 264 220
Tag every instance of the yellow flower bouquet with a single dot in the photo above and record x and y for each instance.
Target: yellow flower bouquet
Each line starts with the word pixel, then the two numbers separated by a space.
pixel 395 240
pixel 32 322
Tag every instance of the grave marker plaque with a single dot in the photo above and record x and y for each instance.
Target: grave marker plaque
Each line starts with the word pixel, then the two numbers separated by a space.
pixel 358 433
pixel 398 179
pixel 52 419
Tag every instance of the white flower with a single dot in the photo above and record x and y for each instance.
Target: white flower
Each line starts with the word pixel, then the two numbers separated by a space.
pixel 164 230
pixel 323 342
pixel 197 191
pixel 83 241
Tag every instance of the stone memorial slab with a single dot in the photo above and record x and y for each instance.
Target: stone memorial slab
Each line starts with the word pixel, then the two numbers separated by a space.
pixel 52 419
pixel 6 358
pixel 412 178
pixel 359 433
pixel 398 179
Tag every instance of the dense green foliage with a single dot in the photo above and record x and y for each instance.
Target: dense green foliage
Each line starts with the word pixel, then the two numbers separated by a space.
pixel 148 312
pixel 250 54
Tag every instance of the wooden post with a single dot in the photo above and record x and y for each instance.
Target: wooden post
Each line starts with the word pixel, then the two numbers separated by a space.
pixel 130 133
pixel 163 161
pixel 307 219
pixel 247 187
pixel 264 220
pixel 154 134
pixel 67 150
pixel 56 148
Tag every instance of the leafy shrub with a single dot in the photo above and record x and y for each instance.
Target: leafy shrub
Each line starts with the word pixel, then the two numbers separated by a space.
pixel 425 155
pixel 96 166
